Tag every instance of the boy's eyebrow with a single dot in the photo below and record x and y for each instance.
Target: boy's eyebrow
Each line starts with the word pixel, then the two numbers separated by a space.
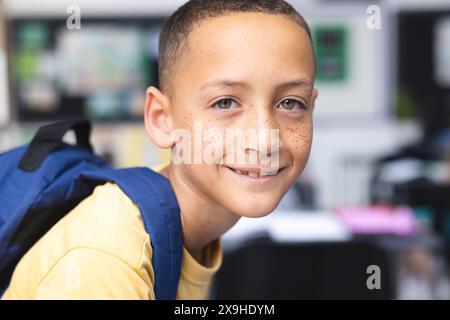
pixel 224 83
pixel 303 83
pixel 230 83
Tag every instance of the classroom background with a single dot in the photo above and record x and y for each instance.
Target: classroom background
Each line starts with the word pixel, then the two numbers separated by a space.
pixel 370 216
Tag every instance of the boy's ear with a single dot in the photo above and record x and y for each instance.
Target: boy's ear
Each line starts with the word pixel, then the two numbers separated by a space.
pixel 157 119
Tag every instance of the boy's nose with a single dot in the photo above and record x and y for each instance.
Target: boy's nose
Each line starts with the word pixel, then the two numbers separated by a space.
pixel 261 117
pixel 265 127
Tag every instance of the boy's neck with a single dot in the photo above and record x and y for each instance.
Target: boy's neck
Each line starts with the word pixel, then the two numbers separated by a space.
pixel 203 220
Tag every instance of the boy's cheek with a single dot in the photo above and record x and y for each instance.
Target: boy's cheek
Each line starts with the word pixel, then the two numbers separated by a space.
pixel 297 142
pixel 298 137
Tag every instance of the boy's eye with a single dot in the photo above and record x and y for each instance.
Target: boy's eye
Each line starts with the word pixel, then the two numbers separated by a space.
pixel 225 104
pixel 292 104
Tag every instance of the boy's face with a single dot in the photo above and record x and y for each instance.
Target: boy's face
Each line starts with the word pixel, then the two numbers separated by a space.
pixel 247 71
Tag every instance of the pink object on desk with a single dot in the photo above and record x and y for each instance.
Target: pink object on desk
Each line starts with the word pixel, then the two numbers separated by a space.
pixel 374 220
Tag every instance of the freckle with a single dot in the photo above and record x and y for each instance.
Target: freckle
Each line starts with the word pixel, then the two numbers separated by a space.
pixel 290 130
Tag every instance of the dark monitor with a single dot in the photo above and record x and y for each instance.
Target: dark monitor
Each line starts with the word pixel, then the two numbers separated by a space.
pixel 100 71
pixel 423 78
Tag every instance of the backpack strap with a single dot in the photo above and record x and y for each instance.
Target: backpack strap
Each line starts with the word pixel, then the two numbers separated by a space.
pixel 159 209
pixel 50 137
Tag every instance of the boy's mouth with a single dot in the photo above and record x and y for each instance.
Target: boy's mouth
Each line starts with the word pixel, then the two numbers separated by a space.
pixel 256 172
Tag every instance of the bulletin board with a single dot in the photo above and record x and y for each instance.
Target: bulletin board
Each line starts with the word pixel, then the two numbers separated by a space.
pixel 100 72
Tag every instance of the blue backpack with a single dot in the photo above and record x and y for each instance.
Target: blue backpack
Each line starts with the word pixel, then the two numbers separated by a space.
pixel 43 181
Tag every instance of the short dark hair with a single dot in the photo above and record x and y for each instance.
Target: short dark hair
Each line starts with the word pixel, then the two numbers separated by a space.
pixel 176 29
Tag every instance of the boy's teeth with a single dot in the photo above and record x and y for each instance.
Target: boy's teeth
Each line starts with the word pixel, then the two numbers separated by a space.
pixel 253 174
pixel 264 172
pixel 269 171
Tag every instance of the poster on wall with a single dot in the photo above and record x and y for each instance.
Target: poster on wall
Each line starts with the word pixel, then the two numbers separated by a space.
pixel 331 53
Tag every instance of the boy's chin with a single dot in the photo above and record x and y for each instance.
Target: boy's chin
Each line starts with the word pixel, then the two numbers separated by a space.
pixel 254 209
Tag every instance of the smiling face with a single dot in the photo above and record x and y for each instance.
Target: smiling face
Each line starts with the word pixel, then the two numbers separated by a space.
pixel 252 72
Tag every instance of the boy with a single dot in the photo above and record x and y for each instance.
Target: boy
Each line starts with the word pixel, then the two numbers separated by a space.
pixel 226 65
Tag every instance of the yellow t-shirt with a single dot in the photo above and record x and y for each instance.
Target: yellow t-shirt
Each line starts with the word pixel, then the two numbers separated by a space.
pixel 101 250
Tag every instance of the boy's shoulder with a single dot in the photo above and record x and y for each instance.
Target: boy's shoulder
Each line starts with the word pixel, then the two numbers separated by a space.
pixel 104 232
pixel 107 220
